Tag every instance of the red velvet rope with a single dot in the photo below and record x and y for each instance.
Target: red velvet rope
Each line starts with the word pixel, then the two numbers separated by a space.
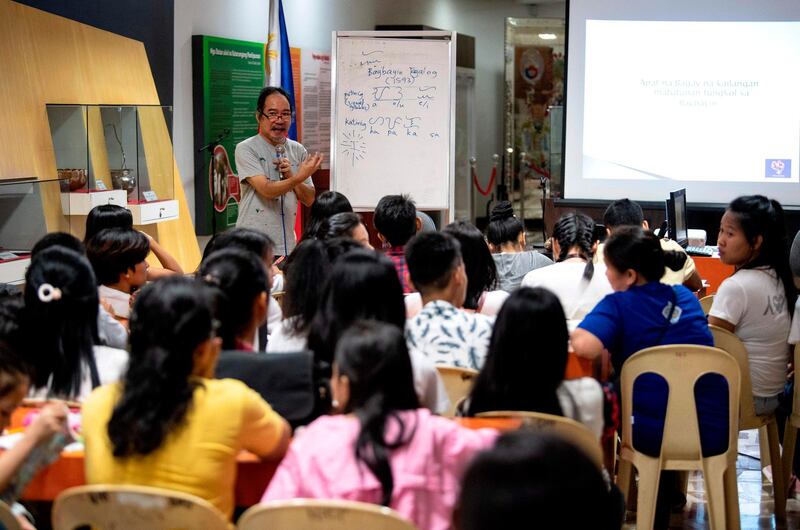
pixel 488 189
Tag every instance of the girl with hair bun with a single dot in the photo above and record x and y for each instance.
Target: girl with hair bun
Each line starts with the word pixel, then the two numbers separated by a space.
pixel 169 423
pixel 643 312
pixel 756 302
pixel 578 283
pixel 506 237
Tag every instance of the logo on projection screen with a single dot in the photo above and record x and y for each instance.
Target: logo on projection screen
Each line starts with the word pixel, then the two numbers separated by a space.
pixel 780 168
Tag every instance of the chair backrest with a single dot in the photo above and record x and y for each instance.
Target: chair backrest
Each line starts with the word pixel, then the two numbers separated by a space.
pixel 315 514
pixel 106 506
pixel 7 518
pixel 706 302
pixel 681 365
pixel 796 397
pixel 729 342
pixel 569 429
pixel 457 383
pixel 285 381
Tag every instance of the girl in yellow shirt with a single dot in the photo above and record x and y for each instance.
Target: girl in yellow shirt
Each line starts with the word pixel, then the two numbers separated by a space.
pixel 169 424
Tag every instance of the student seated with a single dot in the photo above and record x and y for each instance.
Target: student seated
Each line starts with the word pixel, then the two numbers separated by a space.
pixel 383 448
pixel 113 216
pixel 575 279
pixel 481 272
pixel 327 203
pixel 363 286
pixel 532 479
pixel 506 236
pixel 441 331
pixel 525 367
pixel 346 224
pixel 625 212
pixel 756 302
pixel 14 386
pixel 396 222
pixel 109 330
pixel 118 257
pixel 307 268
pixel 60 328
pixel 168 423
pixel 240 281
pixel 643 312
pixel 260 245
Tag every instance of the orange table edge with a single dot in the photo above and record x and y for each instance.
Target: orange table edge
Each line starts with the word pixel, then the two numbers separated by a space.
pixel 252 475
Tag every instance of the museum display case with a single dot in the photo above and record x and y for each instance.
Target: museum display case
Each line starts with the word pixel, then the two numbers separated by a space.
pixel 115 154
pixel 534 117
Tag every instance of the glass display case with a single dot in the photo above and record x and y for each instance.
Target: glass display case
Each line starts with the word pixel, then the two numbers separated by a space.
pixel 534 74
pixel 29 209
pixel 116 154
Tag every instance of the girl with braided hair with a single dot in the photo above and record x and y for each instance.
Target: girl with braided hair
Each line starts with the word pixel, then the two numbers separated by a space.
pixel 578 283
pixel 506 237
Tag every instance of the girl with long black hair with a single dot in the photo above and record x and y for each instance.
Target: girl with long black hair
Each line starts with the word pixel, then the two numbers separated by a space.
pixel 169 423
pixel 522 374
pixel 383 448
pixel 757 301
pixel 364 286
pixel 60 327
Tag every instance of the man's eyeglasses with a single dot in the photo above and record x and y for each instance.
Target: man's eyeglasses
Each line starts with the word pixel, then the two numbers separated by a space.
pixel 273 115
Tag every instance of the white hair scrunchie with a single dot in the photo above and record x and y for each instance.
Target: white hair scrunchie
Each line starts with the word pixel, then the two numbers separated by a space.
pixel 47 293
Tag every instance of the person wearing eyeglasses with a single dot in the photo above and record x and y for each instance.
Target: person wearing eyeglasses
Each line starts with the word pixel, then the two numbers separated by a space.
pixel 274 172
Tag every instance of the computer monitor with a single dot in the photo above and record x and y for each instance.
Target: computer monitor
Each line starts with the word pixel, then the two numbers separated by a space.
pixel 676 217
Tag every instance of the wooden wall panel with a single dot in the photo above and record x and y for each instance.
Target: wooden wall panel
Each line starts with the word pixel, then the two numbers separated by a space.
pixel 51 59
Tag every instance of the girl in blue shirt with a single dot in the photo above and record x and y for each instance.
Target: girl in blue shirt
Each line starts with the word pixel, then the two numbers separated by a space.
pixel 642 312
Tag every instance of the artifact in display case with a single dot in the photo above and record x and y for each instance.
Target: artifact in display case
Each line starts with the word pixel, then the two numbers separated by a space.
pixel 74 145
pixel 140 159
pixel 28 211
pixel 120 154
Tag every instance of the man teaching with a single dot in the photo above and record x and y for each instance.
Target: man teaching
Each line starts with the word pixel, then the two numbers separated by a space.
pixel 275 172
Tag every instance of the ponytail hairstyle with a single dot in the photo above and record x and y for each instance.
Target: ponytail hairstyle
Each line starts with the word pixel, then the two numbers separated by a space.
pixel 60 319
pixel 527 356
pixel 239 278
pixel 632 247
pixel 503 227
pixel 478 262
pixel 170 319
pixel 374 357
pixel 760 216
pixel 339 225
pixel 576 230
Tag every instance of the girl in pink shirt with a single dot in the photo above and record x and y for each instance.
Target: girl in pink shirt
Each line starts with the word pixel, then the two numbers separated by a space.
pixel 384 449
